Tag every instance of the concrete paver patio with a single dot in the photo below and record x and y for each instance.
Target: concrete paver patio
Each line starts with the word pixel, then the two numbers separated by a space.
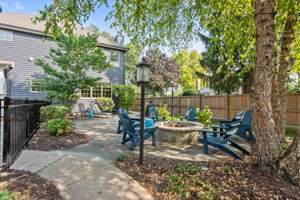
pixel 86 171
pixel 106 144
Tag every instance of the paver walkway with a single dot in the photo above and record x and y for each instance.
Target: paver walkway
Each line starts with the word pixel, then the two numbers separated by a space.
pixel 82 177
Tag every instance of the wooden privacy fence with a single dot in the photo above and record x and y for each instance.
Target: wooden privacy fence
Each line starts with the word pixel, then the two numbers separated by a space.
pixel 223 106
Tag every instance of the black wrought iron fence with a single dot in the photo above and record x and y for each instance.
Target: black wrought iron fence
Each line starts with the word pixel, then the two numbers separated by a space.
pixel 21 119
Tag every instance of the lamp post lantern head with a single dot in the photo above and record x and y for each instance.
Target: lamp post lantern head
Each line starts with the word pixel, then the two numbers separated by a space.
pixel 143 72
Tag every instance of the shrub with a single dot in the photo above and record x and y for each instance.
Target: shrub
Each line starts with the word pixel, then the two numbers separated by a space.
pixel 105 104
pixel 126 95
pixel 122 157
pixel 190 92
pixel 57 126
pixel 7 195
pixel 53 112
pixel 163 111
pixel 205 115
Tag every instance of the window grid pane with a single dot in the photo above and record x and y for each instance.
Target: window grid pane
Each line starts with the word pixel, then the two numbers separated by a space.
pixel 96 92
pixel 34 84
pixel 106 90
pixel 86 93
pixel 5 35
pixel 114 57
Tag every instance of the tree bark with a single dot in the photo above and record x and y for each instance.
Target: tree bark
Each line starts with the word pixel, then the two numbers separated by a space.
pixel 268 144
pixel 280 76
pixel 290 164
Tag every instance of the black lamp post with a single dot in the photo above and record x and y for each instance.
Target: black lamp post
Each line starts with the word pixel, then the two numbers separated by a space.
pixel 143 71
pixel 116 99
pixel 172 86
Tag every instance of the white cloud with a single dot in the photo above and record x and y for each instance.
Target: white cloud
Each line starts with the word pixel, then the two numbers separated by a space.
pixel 3 4
pixel 18 6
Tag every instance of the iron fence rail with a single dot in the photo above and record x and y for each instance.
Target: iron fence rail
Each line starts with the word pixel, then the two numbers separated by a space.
pixel 21 121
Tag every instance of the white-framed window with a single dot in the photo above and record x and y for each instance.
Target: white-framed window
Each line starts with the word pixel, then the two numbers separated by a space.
pixel 103 90
pixel 6 35
pixel 114 56
pixel 34 83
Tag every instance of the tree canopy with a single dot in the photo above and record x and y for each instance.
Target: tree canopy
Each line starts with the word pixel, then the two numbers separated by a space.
pixel 164 70
pixel 65 67
pixel 189 63
pixel 95 29
pixel 133 57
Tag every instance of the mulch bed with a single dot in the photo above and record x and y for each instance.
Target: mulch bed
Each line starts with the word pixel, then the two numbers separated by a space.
pixel 31 186
pixel 168 179
pixel 43 141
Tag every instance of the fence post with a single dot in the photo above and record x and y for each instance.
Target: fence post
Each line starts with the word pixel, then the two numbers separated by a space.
pixel 227 106
pixel 6 132
pixel 200 102
pixel 27 120
pixel 179 105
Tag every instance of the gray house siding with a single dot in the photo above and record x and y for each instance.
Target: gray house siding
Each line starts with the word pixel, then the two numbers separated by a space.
pixel 18 51
pixel 26 45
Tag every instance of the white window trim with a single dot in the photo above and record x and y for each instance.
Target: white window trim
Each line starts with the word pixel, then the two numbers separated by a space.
pixel 91 93
pixel 115 63
pixel 11 33
pixel 30 86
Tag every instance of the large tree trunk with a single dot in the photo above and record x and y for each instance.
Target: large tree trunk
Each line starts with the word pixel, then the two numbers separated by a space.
pixel 280 76
pixel 268 144
pixel 290 164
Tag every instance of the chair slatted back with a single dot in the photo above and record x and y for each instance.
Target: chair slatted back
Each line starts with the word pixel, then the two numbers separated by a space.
pixel 153 113
pixel 81 107
pixel 127 123
pixel 247 120
pixel 191 113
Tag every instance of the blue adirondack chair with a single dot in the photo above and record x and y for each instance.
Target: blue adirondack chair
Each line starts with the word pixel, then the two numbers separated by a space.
pixel 221 140
pixel 131 132
pixel 191 115
pixel 244 119
pixel 120 113
pixel 153 114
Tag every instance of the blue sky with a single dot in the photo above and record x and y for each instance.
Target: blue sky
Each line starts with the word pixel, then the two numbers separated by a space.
pixel 98 18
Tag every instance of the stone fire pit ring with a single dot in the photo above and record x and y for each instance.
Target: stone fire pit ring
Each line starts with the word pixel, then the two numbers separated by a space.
pixel 178 132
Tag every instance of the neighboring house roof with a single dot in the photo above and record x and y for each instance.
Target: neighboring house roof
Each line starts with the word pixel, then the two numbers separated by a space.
pixel 23 23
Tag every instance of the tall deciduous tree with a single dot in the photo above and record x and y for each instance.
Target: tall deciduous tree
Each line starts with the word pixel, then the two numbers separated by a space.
pixel 225 77
pixel 65 67
pixel 257 26
pixel 164 70
pixel 95 29
pixel 189 63
pixel 133 57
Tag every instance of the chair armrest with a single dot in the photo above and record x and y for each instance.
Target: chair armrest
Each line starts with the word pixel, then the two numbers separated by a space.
pixel 220 127
pixel 239 117
pixel 135 119
pixel 225 121
pixel 244 126
pixel 208 131
pixel 136 124
pixel 227 133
